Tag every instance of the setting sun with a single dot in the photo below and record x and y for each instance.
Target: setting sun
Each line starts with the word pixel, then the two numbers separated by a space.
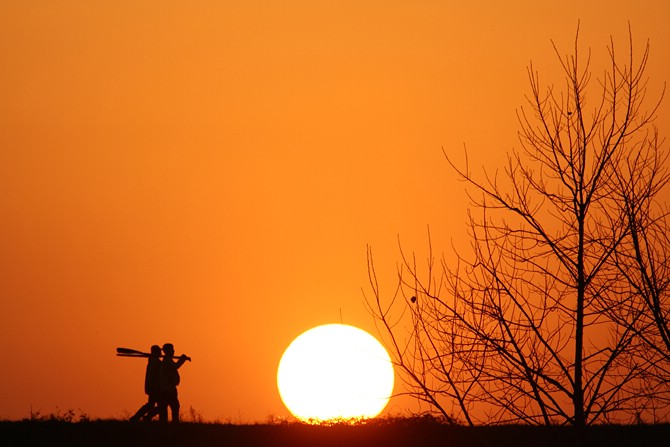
pixel 335 371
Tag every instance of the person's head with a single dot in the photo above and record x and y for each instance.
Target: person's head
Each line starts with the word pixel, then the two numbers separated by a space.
pixel 155 351
pixel 168 349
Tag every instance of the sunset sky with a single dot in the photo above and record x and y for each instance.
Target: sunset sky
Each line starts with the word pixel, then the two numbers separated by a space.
pixel 209 173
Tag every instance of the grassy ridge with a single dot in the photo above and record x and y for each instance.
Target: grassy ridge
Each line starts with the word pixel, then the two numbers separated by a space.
pixel 396 433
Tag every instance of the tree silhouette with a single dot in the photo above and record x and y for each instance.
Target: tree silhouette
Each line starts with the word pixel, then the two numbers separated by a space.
pixel 552 314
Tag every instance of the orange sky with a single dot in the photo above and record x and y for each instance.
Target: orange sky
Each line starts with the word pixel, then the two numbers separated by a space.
pixel 209 173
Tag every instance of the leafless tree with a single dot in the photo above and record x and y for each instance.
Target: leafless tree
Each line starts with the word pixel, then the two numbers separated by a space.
pixel 644 261
pixel 547 319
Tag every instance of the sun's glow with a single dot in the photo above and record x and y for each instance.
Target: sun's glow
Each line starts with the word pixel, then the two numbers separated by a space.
pixel 335 372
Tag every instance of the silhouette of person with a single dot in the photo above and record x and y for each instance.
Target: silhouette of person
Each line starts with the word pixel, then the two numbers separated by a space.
pixel 151 386
pixel 169 379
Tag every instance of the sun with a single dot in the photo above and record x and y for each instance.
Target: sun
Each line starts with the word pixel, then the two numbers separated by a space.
pixel 335 372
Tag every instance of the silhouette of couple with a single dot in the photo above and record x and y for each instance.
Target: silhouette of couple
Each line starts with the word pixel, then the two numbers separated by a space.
pixel 160 385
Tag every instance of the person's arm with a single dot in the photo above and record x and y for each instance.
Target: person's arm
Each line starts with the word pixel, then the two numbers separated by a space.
pixel 182 360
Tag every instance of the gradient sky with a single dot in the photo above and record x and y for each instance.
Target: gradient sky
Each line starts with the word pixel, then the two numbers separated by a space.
pixel 209 173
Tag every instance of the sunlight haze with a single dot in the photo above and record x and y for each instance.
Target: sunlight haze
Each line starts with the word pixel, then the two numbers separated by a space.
pixel 210 173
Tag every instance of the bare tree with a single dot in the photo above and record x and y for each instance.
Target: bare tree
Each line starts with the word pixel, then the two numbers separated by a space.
pixel 545 320
pixel 644 261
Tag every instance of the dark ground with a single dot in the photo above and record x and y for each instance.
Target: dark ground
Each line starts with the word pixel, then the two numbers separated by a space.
pixel 396 433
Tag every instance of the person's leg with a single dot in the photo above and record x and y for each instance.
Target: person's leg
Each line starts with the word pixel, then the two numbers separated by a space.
pixel 153 408
pixel 162 409
pixel 174 406
pixel 143 410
